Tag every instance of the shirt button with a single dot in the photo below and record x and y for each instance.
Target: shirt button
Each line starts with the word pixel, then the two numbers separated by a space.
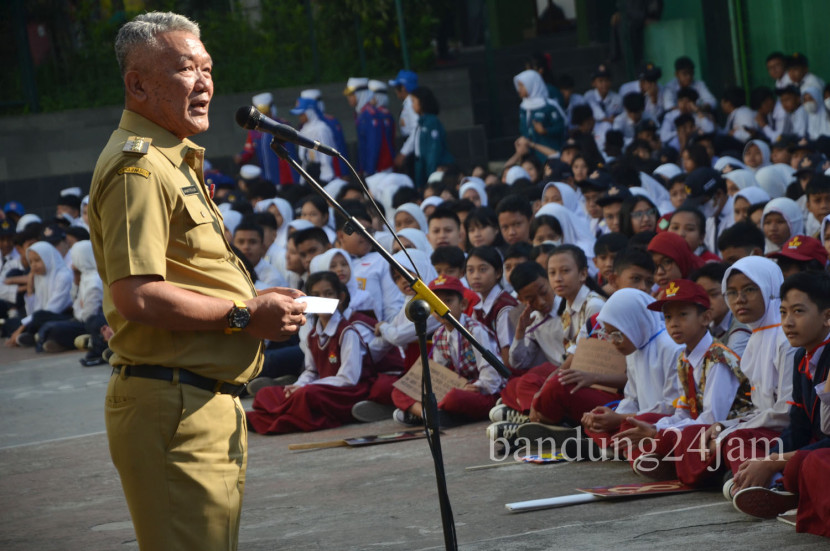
pixel 203 213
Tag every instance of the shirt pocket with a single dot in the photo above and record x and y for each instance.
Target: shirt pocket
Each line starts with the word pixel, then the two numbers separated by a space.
pixel 204 233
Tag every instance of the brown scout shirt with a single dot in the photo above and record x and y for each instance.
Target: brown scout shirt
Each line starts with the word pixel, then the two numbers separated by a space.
pixel 150 213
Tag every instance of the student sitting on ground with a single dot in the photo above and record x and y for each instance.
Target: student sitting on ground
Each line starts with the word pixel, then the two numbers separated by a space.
pixel 714 388
pixel 337 369
pixel 651 363
pixel 751 287
pixel 760 489
pixel 450 349
pixel 48 293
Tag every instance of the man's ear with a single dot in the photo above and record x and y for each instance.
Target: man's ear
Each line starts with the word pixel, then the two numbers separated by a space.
pixel 826 316
pixel 134 86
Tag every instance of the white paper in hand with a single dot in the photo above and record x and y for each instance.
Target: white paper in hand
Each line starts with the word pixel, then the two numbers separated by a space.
pixel 319 305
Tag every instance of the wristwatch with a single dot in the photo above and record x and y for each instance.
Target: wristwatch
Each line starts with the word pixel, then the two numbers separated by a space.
pixel 238 317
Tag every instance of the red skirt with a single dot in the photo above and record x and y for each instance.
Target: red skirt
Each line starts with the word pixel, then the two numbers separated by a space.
pixel 311 407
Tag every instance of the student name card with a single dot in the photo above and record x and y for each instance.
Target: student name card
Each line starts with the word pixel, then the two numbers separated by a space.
pixel 597 356
pixel 319 305
pixel 443 381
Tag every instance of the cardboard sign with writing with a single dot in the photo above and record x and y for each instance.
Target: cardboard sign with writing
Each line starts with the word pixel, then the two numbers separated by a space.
pixel 596 356
pixel 443 380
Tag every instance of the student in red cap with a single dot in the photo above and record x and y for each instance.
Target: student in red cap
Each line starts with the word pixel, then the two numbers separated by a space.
pixel 799 254
pixel 712 383
pixel 450 349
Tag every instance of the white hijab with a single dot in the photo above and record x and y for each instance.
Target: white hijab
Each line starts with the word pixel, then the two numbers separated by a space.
pixel 657 192
pixel 722 162
pixel 53 290
pixel 359 300
pixel 668 171
pixel 514 173
pixel 418 239
pixel 477 185
pixel 818 123
pixel 422 268
pixel 570 200
pixel 742 178
pixel 762 347
pixel 231 219
pixel 656 354
pixel 791 212
pixel 286 212
pixel 91 289
pixel 572 232
pixel 764 148
pixel 537 92
pixel 415 212
pixel 753 195
pixel 772 180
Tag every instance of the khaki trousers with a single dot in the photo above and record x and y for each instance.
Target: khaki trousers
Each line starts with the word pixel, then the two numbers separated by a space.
pixel 181 454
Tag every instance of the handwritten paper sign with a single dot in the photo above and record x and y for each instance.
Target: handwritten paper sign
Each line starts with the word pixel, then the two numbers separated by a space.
pixel 596 356
pixel 443 381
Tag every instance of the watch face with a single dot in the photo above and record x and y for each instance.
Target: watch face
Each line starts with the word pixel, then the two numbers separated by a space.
pixel 239 318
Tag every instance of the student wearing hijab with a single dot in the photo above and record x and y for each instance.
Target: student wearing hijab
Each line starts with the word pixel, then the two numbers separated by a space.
pixel 824 234
pixel 756 155
pixel 313 127
pixel 410 215
pixel 541 120
pixel 818 121
pixel 562 193
pixel 751 286
pixel 772 180
pixel 782 219
pixel 474 189
pixel 88 291
pixel 651 358
pixel 413 238
pixel 339 262
pixel 744 200
pixel 48 293
pixel 573 231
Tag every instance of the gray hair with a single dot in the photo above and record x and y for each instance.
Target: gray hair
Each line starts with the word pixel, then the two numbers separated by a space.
pixel 144 28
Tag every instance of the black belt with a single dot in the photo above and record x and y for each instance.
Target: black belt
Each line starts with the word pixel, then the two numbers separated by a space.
pixel 186 377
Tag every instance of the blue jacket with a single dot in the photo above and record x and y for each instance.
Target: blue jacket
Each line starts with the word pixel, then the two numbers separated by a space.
pixel 432 150
pixel 339 143
pixel 553 120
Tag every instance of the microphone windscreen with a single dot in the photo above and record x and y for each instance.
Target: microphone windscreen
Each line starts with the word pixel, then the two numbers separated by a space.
pixel 247 117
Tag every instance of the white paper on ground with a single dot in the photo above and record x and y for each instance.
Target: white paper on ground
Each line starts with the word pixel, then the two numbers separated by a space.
pixel 319 305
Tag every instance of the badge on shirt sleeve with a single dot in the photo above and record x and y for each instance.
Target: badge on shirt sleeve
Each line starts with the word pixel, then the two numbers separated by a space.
pixel 134 170
pixel 137 145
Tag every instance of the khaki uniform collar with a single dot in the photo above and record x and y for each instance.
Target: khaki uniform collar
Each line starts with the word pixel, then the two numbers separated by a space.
pixel 170 146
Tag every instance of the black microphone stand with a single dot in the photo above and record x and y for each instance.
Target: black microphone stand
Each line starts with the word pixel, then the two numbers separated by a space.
pixel 418 310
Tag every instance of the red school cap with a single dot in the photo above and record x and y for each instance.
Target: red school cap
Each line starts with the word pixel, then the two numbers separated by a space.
pixel 447 283
pixel 803 249
pixel 682 290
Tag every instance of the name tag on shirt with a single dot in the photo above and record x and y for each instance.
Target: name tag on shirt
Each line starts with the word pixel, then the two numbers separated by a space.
pixel 190 190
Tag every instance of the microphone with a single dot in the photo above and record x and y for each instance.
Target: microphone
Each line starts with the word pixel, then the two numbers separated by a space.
pixel 251 118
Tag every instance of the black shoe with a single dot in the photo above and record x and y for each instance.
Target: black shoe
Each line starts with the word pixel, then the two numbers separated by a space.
pixel 92 362
pixel 25 339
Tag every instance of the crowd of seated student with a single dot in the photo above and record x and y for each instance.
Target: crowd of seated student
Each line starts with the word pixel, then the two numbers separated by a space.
pixel 629 217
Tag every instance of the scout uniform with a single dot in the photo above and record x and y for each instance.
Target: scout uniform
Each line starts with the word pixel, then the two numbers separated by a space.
pixel 181 441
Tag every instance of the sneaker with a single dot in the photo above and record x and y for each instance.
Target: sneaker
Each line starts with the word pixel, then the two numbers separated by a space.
pixel 87 361
pixel 504 430
pixel 285 380
pixel 536 431
pixel 367 411
pixel 82 342
pixel 504 413
pixel 764 502
pixel 652 467
pixel 53 346
pixel 25 339
pixel 789 517
pixel 728 494
pixel 405 418
pixel 259 383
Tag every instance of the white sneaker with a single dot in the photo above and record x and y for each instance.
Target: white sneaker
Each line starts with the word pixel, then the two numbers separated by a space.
pixel 727 489
pixel 406 418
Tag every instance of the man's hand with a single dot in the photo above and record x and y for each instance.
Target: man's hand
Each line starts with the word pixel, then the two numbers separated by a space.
pixel 640 431
pixel 579 379
pixel 275 315
pixel 757 472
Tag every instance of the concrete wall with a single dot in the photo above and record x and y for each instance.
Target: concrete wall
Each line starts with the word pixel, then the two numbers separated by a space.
pixel 41 154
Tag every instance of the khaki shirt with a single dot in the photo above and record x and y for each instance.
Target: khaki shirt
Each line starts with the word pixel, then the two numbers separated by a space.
pixel 150 213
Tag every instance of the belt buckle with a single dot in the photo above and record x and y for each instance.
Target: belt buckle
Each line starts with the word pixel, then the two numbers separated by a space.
pixel 238 392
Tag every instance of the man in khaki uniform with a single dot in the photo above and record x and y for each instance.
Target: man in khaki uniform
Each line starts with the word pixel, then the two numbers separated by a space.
pixel 188 322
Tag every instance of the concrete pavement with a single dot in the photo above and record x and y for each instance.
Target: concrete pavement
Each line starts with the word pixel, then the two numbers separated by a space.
pixel 59 490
